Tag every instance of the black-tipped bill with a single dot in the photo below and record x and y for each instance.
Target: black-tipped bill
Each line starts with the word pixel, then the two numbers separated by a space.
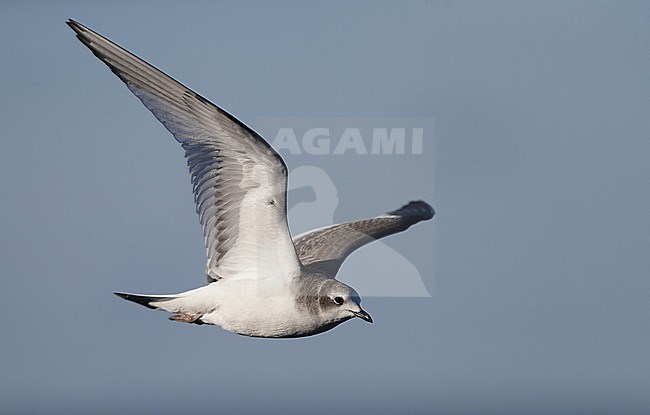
pixel 363 315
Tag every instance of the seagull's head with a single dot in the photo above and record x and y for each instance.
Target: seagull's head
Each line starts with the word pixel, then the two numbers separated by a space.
pixel 341 302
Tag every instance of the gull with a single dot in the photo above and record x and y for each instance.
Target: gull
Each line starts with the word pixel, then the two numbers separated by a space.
pixel 259 281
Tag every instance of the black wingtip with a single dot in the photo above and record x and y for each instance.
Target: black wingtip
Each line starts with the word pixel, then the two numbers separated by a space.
pixel 418 208
pixel 80 31
pixel 74 25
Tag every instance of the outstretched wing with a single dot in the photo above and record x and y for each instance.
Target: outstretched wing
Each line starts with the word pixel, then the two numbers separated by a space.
pixel 325 249
pixel 239 180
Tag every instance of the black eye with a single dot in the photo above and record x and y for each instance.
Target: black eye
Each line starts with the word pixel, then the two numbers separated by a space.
pixel 338 300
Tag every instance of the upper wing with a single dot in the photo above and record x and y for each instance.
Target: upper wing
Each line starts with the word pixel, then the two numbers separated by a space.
pixel 239 181
pixel 325 249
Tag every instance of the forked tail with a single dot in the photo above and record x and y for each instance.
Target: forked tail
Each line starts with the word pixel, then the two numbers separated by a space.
pixel 166 303
pixel 148 301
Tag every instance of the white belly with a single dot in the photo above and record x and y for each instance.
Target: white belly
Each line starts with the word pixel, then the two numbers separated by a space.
pixel 256 308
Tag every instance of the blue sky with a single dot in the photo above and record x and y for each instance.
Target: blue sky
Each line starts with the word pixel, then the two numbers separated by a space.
pixel 537 260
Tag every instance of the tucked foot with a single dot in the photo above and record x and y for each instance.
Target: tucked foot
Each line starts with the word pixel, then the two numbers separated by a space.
pixel 187 318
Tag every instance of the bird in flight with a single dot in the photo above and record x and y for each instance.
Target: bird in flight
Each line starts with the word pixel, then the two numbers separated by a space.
pixel 260 281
